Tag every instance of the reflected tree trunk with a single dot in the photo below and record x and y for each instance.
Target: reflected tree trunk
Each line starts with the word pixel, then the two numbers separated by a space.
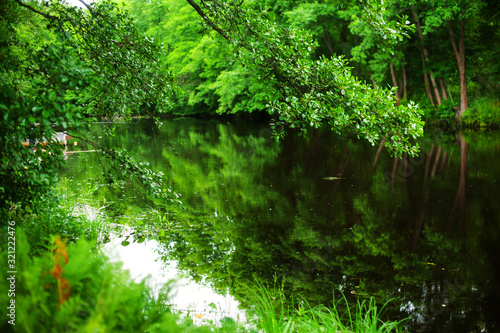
pixel 417 229
pixel 428 161
pixel 419 222
pixel 459 201
pixel 311 151
pixel 443 162
pixel 377 155
pixel 436 162
pixel 340 170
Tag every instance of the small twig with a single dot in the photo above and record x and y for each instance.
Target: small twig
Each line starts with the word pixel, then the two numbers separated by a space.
pixel 88 7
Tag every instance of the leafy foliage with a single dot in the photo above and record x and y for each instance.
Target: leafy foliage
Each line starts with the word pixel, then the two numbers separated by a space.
pixel 126 62
pixel 308 92
pixel 85 63
pixel 483 112
pixel 75 288
pixel 209 79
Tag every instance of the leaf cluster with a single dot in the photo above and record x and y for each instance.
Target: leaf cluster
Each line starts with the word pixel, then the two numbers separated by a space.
pixel 98 294
pixel 306 92
pixel 126 62
pixel 84 64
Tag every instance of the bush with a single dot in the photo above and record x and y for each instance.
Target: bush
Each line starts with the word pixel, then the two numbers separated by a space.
pixel 483 112
pixel 74 288
pixel 443 113
pixel 50 219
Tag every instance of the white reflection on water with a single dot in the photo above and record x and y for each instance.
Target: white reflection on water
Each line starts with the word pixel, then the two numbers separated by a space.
pixel 198 301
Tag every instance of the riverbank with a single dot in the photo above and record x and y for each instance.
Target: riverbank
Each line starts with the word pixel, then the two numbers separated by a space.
pixel 63 283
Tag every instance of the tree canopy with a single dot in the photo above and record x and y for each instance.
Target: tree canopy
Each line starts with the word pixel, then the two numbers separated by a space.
pixel 308 92
pixel 61 68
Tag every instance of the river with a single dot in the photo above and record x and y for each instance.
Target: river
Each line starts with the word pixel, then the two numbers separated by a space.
pixel 322 214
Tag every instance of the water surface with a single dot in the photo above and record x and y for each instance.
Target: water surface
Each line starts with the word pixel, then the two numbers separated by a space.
pixel 327 214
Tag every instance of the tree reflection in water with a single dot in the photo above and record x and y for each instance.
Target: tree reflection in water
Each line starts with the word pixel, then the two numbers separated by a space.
pixel 330 214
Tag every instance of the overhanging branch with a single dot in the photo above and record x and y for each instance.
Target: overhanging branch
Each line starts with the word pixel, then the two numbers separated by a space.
pixel 207 20
pixel 47 16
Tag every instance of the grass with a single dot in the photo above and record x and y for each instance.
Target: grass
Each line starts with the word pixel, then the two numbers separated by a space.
pixel 273 316
pixel 73 287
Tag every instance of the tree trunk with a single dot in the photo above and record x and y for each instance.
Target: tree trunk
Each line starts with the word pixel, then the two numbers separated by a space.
pixel 435 87
pixel 443 88
pixel 373 81
pixel 405 83
pixel 394 82
pixel 426 81
pixel 460 56
pixel 441 80
pixel 427 85
pixel 425 55
pixel 328 40
pixel 377 155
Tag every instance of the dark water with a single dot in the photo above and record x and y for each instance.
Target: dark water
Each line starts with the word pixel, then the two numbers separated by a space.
pixel 326 214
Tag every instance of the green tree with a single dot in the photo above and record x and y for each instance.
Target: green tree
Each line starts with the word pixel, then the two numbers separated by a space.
pixel 306 92
pixel 324 23
pixel 85 63
pixel 378 49
pixel 209 79
pixel 447 16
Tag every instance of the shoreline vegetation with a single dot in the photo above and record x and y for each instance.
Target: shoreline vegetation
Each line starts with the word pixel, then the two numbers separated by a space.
pixel 64 283
pixel 483 114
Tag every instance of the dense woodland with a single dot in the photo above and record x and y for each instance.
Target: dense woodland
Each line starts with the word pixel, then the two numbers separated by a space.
pixel 375 70
pixel 445 58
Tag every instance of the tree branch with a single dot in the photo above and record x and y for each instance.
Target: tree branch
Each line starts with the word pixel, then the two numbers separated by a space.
pixel 88 7
pixel 47 16
pixel 207 20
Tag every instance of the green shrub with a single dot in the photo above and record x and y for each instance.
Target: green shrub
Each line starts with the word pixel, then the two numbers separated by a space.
pixel 443 112
pixel 74 288
pixel 483 112
pixel 49 219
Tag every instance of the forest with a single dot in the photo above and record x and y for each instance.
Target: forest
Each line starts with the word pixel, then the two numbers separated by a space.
pixel 440 54
pixel 382 74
